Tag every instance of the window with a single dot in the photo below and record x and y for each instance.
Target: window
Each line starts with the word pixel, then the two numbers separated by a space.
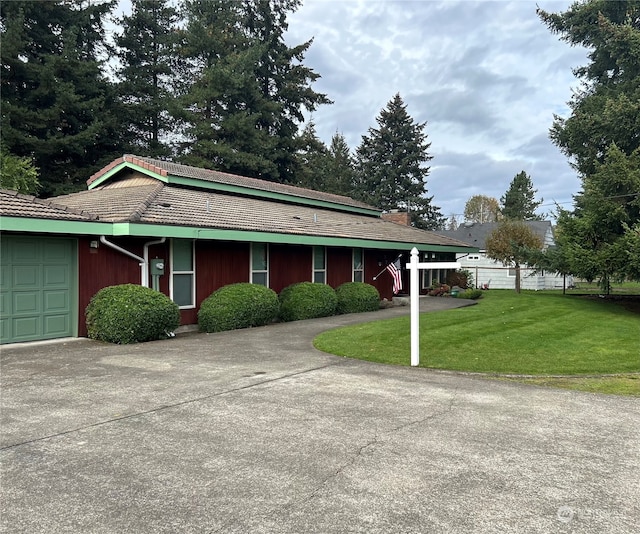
pixel 260 264
pixel 512 271
pixel 183 275
pixel 358 265
pixel 319 265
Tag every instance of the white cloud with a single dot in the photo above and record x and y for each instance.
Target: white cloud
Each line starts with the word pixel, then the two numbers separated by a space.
pixel 486 76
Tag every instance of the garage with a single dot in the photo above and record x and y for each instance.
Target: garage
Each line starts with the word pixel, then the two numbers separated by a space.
pixel 38 283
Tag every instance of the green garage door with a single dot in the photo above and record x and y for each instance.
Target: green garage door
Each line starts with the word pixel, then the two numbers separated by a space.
pixel 38 287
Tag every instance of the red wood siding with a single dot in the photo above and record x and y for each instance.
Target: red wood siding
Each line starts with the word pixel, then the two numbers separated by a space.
pixel 218 264
pixel 289 264
pixel 339 266
pixel 102 267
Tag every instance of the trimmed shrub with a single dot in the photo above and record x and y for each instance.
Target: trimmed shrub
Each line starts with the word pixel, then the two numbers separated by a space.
pixel 473 294
pixel 356 297
pixel 131 313
pixel 235 306
pixel 306 300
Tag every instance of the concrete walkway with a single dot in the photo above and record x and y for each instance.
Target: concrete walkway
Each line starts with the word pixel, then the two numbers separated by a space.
pixel 254 431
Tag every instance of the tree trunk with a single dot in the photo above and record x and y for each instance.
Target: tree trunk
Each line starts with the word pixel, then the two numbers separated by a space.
pixel 517 278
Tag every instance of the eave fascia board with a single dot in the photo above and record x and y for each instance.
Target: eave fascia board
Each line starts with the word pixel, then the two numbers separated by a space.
pixel 270 195
pixel 54 226
pixel 183 232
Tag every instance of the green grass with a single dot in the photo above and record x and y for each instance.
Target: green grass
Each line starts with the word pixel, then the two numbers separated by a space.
pixel 543 333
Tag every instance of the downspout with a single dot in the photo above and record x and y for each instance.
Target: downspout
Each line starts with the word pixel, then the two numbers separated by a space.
pixel 145 255
pixel 143 265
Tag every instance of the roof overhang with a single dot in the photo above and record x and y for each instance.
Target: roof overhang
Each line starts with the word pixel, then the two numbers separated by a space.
pixel 127 229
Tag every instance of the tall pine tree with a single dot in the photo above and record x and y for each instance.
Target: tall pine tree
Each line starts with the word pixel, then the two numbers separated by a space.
pixel 519 202
pixel 147 47
pixel 601 136
pixel 246 90
pixel 391 170
pixel 340 167
pixel 56 103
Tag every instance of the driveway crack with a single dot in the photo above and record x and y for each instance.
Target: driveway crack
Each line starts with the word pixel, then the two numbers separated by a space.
pixel 167 407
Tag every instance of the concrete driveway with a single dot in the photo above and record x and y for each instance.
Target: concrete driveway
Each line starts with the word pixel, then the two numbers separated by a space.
pixel 255 431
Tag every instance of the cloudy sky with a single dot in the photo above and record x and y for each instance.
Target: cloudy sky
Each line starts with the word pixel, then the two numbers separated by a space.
pixel 486 76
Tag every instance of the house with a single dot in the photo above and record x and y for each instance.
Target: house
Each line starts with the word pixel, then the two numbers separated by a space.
pixel 492 274
pixel 187 231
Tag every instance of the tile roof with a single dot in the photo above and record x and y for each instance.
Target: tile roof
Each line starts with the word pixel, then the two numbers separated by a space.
pixel 168 168
pixel 14 204
pixel 163 204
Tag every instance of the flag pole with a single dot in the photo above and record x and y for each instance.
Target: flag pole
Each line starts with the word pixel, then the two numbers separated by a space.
pixel 383 270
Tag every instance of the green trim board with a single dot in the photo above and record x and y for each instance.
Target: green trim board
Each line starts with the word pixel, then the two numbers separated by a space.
pixel 45 226
pixel 173 179
pixel 54 226
pixel 182 232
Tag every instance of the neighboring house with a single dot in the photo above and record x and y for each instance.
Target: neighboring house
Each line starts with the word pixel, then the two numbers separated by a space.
pixel 187 231
pixel 494 275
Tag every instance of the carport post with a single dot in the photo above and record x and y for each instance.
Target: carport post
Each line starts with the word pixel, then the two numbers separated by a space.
pixel 414 290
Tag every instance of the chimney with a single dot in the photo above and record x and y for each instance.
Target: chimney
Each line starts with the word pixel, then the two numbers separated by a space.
pixel 398 217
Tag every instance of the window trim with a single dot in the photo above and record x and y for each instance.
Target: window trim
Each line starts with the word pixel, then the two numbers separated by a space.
pixel 353 264
pixel 256 271
pixel 313 264
pixel 192 272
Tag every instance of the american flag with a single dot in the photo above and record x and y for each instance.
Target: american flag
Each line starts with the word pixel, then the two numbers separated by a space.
pixel 394 269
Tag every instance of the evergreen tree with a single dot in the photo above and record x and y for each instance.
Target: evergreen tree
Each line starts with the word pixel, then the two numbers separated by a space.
pixel 391 169
pixel 519 202
pixel 312 159
pixel 146 52
pixel 245 89
pixel 601 138
pixel 340 167
pixel 56 103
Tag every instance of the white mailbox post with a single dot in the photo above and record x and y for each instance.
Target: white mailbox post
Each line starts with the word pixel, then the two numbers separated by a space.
pixel 414 290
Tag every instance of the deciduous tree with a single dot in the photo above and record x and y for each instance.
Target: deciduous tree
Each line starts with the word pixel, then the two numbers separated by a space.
pixel 18 173
pixel 511 243
pixel 481 209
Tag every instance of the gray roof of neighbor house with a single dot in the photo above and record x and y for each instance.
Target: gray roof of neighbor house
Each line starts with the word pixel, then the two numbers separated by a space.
pixel 475 234
pixel 138 200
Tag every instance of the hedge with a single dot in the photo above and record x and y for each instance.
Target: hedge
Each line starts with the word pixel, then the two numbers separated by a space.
pixel 131 313
pixel 306 300
pixel 235 306
pixel 356 297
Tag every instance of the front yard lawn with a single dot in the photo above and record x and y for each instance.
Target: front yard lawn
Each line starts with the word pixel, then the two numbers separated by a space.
pixel 534 333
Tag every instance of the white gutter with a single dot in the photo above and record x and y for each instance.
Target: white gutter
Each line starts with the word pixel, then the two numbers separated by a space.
pixel 142 263
pixel 145 255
